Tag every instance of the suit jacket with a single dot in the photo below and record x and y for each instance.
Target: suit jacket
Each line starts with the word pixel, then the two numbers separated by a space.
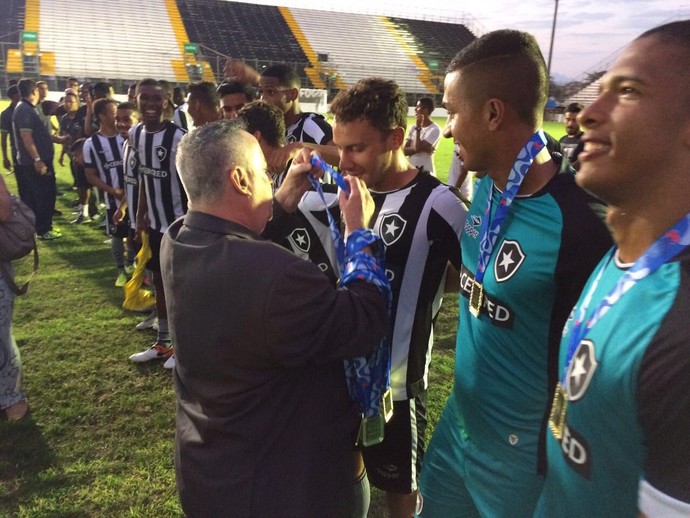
pixel 265 426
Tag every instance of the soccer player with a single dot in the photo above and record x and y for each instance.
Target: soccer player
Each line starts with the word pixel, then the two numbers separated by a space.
pixel 202 103
pixel 72 125
pixel 162 198
pixel 571 143
pixel 423 136
pixel 126 117
pixel 529 243
pixel 279 85
pixel 306 232
pixel 104 170
pixel 617 444
pixel 233 96
pixel 420 221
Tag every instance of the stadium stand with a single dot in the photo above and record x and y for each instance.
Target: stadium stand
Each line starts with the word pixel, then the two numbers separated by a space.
pixel 258 34
pixel 436 42
pixel 371 49
pixel 330 50
pixel 587 95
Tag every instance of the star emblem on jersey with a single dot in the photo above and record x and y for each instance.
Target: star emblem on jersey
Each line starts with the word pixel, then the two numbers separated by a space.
pixel 508 260
pixel 392 227
pixel 132 162
pixel 581 370
pixel 300 239
pixel 161 153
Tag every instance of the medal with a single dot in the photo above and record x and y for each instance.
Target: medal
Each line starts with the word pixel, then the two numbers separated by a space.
pixel 489 232
pixel 476 298
pixel 371 430
pixel 558 411
pixel 387 405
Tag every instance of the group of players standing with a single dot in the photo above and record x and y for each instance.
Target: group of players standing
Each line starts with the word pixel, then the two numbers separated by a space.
pixel 523 252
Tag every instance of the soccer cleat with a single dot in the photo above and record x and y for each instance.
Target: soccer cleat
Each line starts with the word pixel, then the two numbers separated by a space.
pixel 169 363
pixel 80 219
pixel 157 351
pixel 121 280
pixel 150 322
pixel 49 236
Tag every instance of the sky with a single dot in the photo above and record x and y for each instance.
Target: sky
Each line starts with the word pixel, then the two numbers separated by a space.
pixel 588 32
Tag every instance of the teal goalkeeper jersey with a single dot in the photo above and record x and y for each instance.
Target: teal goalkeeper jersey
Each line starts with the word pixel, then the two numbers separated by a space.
pixel 628 414
pixel 506 358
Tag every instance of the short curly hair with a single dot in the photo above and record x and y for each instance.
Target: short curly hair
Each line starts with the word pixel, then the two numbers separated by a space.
pixel 379 101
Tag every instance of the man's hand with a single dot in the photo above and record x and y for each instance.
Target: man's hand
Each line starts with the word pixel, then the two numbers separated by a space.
pixel 278 158
pixel 357 208
pixel 118 216
pixel 420 120
pixel 40 167
pixel 119 194
pixel 296 182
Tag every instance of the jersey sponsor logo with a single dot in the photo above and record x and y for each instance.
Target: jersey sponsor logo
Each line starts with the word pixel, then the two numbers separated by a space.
pixel 161 153
pixel 111 164
pixel 508 260
pixel 576 452
pixel 498 312
pixel 581 370
pixel 392 227
pixel 390 274
pixel 149 171
pixel 300 239
pixel 323 267
pixel 472 226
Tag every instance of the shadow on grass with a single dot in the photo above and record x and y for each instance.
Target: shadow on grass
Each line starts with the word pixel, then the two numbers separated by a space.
pixel 24 456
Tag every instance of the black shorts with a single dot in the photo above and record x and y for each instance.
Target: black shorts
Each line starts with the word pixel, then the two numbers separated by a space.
pixel 79 173
pixel 155 239
pixel 394 464
pixel 121 230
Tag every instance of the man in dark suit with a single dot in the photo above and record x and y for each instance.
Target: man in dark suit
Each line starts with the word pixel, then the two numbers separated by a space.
pixel 265 426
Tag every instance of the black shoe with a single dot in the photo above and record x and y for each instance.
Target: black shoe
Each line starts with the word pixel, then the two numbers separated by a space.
pixel 57 212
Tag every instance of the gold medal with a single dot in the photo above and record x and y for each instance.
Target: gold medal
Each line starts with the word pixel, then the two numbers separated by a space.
pixel 371 430
pixel 558 411
pixel 476 298
pixel 387 404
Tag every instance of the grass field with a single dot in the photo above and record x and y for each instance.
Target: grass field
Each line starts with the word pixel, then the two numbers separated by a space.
pixel 99 439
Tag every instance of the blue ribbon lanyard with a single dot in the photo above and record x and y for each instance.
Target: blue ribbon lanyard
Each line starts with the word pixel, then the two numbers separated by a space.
pixel 368 378
pixel 660 252
pixel 517 174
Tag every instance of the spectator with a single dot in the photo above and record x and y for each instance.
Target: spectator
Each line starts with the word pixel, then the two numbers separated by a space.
pixel 423 137
pixel 571 143
pixel 12 400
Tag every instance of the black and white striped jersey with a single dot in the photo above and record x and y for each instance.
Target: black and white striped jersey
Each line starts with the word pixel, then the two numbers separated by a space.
pixel 104 154
pixel 420 226
pixel 155 154
pixel 131 178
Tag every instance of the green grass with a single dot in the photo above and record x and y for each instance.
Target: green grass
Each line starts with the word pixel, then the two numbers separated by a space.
pixel 99 439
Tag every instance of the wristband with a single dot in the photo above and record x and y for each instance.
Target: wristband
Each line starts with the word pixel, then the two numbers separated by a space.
pixel 37 159
pixel 418 128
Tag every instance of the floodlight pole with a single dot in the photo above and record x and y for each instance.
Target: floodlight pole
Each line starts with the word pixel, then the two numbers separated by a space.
pixel 553 34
